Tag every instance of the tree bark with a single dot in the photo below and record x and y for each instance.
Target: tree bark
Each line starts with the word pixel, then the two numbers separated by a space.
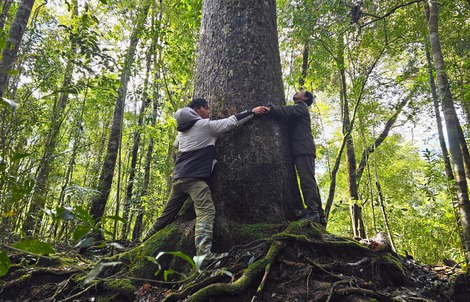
pixel 451 124
pixel 440 131
pixel 135 151
pixel 10 52
pixel 107 171
pixel 238 68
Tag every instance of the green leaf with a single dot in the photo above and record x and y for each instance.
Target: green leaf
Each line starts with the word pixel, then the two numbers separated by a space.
pixel 84 215
pixel 152 259
pixel 18 156
pixel 180 255
pixel 171 272
pixel 118 218
pixel 85 242
pixel 93 274
pixel 226 272
pixel 198 260
pixel 80 232
pixel 5 263
pixel 35 246
pixel 7 214
pixel 65 214
pixel 116 245
pixel 11 103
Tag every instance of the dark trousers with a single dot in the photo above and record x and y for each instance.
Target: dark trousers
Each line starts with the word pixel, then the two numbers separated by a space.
pixel 305 165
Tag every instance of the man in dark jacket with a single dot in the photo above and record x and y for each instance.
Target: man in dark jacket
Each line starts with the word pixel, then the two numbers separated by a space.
pixel 303 151
pixel 195 141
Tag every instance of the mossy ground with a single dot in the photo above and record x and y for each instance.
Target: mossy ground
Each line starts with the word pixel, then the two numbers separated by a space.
pixel 299 261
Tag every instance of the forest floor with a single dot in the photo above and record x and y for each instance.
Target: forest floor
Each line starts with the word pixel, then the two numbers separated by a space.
pixel 301 264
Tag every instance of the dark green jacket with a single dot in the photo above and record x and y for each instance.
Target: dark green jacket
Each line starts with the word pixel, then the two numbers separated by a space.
pixel 300 132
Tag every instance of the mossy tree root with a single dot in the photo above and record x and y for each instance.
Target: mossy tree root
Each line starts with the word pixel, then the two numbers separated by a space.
pixel 238 287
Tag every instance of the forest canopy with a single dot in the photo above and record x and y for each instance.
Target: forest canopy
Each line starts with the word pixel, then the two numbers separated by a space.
pixel 77 75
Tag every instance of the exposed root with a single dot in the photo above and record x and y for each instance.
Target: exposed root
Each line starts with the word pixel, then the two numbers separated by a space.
pixel 239 286
pixel 300 263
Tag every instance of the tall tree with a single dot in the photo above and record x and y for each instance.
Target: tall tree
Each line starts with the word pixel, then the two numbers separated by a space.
pixel 10 51
pixel 452 124
pixel 238 67
pixel 38 198
pixel 107 171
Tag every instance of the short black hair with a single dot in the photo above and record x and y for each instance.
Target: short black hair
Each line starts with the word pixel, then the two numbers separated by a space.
pixel 197 103
pixel 309 96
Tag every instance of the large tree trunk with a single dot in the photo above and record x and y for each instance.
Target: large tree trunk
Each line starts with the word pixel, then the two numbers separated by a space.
pixel 10 52
pixel 238 68
pixel 107 171
pixel 451 124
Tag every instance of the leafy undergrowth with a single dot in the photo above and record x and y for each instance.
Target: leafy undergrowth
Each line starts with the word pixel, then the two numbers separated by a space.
pixel 300 264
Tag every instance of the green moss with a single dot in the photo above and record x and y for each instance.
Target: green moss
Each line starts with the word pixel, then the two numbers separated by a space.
pixel 120 286
pixel 108 298
pixel 251 232
pixel 389 258
pixel 166 240
pixel 302 230
pixel 342 243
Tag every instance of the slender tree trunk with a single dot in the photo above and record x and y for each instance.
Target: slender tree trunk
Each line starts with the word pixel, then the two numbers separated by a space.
pixel 107 171
pixel 384 212
pixel 10 52
pixel 239 68
pixel 38 201
pixel 77 136
pixel 440 131
pixel 356 219
pixel 380 139
pixel 134 152
pixel 451 124
pixel 4 13
pixel 137 231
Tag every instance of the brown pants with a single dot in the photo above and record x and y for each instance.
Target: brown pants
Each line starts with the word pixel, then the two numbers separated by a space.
pixel 200 194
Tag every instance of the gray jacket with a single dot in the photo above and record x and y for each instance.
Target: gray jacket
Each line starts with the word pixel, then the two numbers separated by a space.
pixel 196 141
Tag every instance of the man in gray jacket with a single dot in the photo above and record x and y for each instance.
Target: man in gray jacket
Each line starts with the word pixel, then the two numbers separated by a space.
pixel 303 151
pixel 195 141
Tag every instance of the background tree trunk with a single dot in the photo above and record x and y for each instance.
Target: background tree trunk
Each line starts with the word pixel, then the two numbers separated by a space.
pixel 4 14
pixel 451 125
pixel 238 68
pixel 38 199
pixel 107 172
pixel 14 40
